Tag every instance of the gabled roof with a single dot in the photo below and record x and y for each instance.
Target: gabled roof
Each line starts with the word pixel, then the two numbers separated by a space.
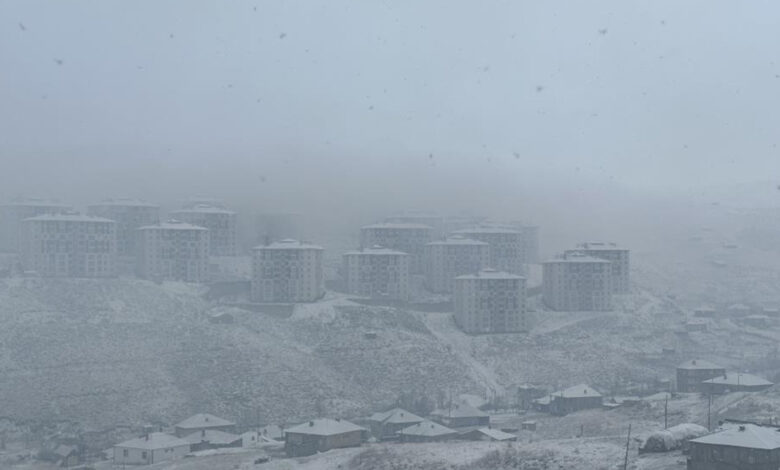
pixel 204 420
pixel 739 379
pixel 461 410
pixel 427 429
pixel 577 391
pixel 212 436
pixel 324 427
pixel 496 434
pixel 746 435
pixel 396 416
pixel 155 440
pixel 694 364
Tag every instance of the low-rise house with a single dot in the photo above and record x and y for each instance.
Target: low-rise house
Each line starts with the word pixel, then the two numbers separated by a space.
pixel 386 425
pixel 204 421
pixel 150 448
pixel 67 456
pixel 576 398
pixel 743 447
pixel 735 382
pixel 756 321
pixel 489 434
pixel 691 374
pixel 461 415
pixel 212 439
pixel 426 431
pixel 321 435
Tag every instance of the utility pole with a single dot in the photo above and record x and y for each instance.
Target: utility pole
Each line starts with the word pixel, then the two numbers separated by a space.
pixel 666 412
pixel 628 442
pixel 709 412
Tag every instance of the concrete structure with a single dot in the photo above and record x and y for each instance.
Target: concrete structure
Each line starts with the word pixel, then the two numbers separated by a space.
pixel 287 271
pixel 212 439
pixel 377 272
pixel 70 245
pixel 408 238
pixel 691 374
pixel 386 425
pixel 577 283
pixel 129 215
pixel 742 447
pixel 619 257
pixel 506 246
pixel 173 250
pixel 426 431
pixel 461 415
pixel 490 301
pixel 452 257
pixel 204 422
pixel 220 222
pixel 321 435
pixel 12 215
pixel 149 449
pixel 735 382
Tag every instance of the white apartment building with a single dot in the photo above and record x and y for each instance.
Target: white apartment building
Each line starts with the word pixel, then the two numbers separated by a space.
pixel 173 250
pixel 129 215
pixel 377 272
pixel 490 301
pixel 287 271
pixel 435 222
pixel 12 215
pixel 577 283
pixel 405 237
pixel 506 246
pixel 619 257
pixel 452 257
pixel 220 222
pixel 69 245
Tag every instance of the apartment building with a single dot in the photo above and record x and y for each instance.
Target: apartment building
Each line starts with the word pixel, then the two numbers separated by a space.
pixel 12 215
pixel 173 250
pixel 377 272
pixel 577 283
pixel 408 238
pixel 220 222
pixel 490 301
pixel 129 215
pixel 287 271
pixel 619 257
pixel 506 246
pixel 435 222
pixel 69 245
pixel 452 257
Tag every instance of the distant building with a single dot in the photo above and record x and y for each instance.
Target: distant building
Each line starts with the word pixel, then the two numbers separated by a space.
pixel 321 435
pixel 619 257
pixel 735 382
pixel 129 215
pixel 489 434
pixel 742 447
pixel 577 283
pixel 12 215
pixel 426 431
pixel 435 222
pixel 204 422
pixel 490 301
pixel 149 449
pixel 408 238
pixel 287 271
pixel 507 248
pixel 386 425
pixel 739 310
pixel 452 257
pixel 212 439
pixel 70 245
pixel 174 251
pixel 576 398
pixel 220 222
pixel 691 374
pixel 461 415
pixel 377 272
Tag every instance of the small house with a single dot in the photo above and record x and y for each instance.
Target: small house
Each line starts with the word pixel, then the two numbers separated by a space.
pixel 576 398
pixel 691 374
pixel 67 456
pixel 461 415
pixel 735 382
pixel 387 424
pixel 742 447
pixel 212 439
pixel 150 448
pixel 426 431
pixel 489 434
pixel 204 421
pixel 321 435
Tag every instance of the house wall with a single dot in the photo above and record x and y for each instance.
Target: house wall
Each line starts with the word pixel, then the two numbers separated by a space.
pixel 297 444
pixel 690 380
pixel 719 457
pixel 145 457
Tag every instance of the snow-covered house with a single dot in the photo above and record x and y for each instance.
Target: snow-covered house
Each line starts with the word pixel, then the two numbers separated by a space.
pixel 489 434
pixel 150 448
pixel 461 415
pixel 691 374
pixel 212 439
pixel 576 398
pixel 735 382
pixel 743 447
pixel 426 431
pixel 320 435
pixel 204 421
pixel 386 425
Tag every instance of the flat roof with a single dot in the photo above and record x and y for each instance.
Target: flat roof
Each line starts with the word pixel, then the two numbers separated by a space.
pixel 69 218
pixel 490 274
pixel 376 251
pixel 600 246
pixel 577 259
pixel 288 244
pixel 458 240
pixel 203 209
pixel 172 225
pixel 488 230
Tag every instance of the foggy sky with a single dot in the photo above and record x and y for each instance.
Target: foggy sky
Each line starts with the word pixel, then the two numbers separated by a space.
pixel 294 103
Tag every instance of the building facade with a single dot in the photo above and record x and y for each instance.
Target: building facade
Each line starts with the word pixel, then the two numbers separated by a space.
pixel 174 251
pixel 149 449
pixel 129 216
pixel 220 222
pixel 408 238
pixel 577 283
pixel 287 271
pixel 740 447
pixel 691 375
pixel 321 435
pixel 70 245
pixel 619 257
pixel 12 215
pixel 452 257
pixel 506 246
pixel 377 272
pixel 490 301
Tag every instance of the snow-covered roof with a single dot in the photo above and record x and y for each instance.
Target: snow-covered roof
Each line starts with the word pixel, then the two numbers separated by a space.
pixel 748 380
pixel 203 209
pixel 577 391
pixel 204 420
pixel 504 230
pixel 600 246
pixel 577 259
pixel 458 240
pixel 155 440
pixel 288 244
pixel 324 427
pixel 396 416
pixel 746 435
pixel 490 274
pixel 497 434
pixel 69 218
pixel 376 251
pixel 124 203
pixel 461 410
pixel 698 364
pixel 398 225
pixel 172 225
pixel 427 429
pixel 212 436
